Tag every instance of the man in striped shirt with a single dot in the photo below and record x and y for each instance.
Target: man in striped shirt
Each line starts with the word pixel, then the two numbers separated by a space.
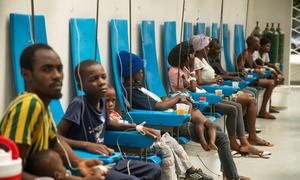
pixel 28 120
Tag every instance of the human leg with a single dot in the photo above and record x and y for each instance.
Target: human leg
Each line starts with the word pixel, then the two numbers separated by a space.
pixel 269 85
pixel 139 169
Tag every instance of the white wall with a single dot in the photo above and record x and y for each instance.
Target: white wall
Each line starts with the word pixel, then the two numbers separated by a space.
pixel 58 13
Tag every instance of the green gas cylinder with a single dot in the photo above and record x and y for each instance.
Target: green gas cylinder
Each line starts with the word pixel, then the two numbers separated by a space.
pixel 281 44
pixel 273 37
pixel 257 32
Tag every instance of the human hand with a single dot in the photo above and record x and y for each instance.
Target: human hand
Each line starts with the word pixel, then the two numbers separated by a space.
pixel 152 133
pixel 88 168
pixel 98 148
pixel 237 79
pixel 244 74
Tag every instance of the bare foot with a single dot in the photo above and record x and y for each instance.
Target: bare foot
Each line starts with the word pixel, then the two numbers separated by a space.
pixel 234 144
pixel 260 142
pixel 249 149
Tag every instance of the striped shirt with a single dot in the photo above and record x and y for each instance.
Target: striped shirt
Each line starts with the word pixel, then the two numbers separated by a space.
pixel 26 121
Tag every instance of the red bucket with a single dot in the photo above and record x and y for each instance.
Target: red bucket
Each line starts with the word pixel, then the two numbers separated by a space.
pixel 10 164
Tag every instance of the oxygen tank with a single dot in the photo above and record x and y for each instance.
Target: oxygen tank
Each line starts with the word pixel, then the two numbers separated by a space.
pixel 257 32
pixel 281 44
pixel 273 37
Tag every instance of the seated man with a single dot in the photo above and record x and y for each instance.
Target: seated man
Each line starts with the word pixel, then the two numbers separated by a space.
pixel 261 58
pixel 213 57
pixel 86 120
pixel 28 120
pixel 144 99
pixel 245 63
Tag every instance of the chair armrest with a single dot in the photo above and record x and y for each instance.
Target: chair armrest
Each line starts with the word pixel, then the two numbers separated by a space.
pixel 115 156
pixel 211 98
pixel 226 90
pixel 242 84
pixel 157 118
pixel 201 105
pixel 128 139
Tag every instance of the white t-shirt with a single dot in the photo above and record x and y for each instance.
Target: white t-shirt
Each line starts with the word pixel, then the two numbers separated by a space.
pixel 265 57
pixel 207 71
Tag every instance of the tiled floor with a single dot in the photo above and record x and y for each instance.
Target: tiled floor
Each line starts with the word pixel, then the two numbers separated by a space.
pixel 284 133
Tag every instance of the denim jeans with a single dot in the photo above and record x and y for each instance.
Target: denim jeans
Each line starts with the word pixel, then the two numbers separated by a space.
pixel 223 145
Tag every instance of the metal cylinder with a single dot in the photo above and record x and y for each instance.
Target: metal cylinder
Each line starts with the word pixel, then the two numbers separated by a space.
pixel 273 37
pixel 281 44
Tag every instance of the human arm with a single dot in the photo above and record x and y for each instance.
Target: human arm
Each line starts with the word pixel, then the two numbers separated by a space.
pixel 64 126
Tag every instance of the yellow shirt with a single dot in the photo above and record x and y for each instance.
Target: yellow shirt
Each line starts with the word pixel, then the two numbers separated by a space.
pixel 26 121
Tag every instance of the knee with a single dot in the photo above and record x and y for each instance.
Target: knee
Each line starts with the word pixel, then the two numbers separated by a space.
pixel 271 84
pixel 156 170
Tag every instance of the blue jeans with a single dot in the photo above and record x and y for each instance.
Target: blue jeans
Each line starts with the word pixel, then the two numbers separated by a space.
pixel 139 170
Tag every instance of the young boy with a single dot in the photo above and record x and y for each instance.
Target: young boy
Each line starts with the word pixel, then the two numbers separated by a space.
pixel 142 100
pixel 48 163
pixel 168 148
pixel 86 120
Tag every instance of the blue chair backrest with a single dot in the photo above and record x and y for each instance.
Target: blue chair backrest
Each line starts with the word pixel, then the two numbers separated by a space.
pixel 170 41
pixel 119 42
pixel 187 31
pixel 152 74
pixel 200 28
pixel 82 39
pixel 226 47
pixel 214 30
pixel 242 36
pixel 239 39
pixel 21 37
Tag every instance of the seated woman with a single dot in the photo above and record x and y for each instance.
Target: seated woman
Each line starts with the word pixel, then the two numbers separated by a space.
pixel 235 124
pixel 144 99
pixel 246 63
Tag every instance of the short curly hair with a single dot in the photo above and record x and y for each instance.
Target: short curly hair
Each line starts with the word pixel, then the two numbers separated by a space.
pixel 28 55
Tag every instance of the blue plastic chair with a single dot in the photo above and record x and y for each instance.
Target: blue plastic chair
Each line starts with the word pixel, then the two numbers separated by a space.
pixel 153 80
pixel 20 38
pixel 214 30
pixel 82 36
pixel 200 28
pixel 119 42
pixel 187 31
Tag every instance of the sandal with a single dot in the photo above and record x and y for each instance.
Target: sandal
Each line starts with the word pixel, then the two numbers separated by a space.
pixel 266 115
pixel 262 154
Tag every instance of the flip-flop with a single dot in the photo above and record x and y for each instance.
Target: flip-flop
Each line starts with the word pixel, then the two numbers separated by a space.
pixel 266 115
pixel 263 154
pixel 236 154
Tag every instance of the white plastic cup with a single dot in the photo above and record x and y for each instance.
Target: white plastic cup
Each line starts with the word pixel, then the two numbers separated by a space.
pixel 182 108
pixel 235 84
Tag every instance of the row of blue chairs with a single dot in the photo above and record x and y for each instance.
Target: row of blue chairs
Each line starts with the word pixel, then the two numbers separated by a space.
pixel 82 39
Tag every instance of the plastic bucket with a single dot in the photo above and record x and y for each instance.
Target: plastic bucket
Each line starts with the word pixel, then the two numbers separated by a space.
pixel 10 164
